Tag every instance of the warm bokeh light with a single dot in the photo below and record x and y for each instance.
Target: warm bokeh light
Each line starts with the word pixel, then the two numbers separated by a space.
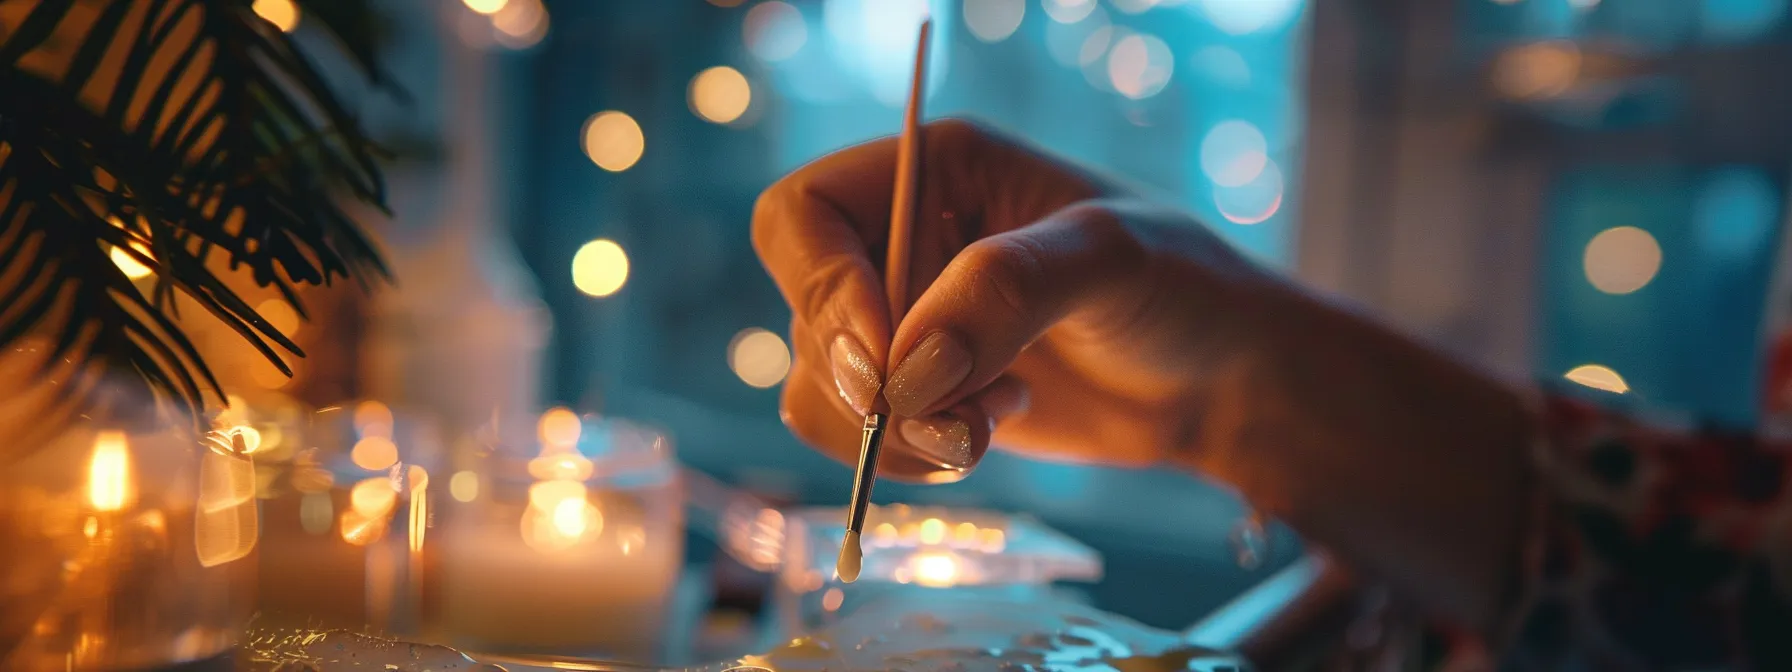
pixel 132 268
pixel 546 495
pixel 373 497
pixel 419 521
pixel 884 534
pixel 720 94
pixel 373 418
pixel 994 20
pixel 613 140
pixel 559 428
pixel 759 357
pixel 1068 11
pixel 991 540
pixel 374 453
pixel 1244 17
pixel 280 315
pixel 933 531
pixel 109 486
pixel 282 13
pixel 559 516
pixel 486 6
pixel 521 24
pixel 1253 202
pixel 1539 70
pixel 463 486
pixel 250 437
pixel 1233 153
pixel 832 599
pixel 774 31
pixel 1622 259
pixel 565 466
pixel 600 268
pixel 1598 377
pixel 965 534
pixel 1140 65
pixel 936 570
pixel 360 530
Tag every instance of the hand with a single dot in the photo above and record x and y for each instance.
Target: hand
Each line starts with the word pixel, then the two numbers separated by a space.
pixel 1058 311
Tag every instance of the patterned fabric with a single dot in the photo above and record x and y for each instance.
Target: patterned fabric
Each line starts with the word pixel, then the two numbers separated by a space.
pixel 1663 549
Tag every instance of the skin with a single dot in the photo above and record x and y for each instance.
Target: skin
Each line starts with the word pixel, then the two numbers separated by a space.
pixel 1090 326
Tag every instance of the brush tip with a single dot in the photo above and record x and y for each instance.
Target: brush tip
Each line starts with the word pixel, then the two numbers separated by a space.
pixel 851 558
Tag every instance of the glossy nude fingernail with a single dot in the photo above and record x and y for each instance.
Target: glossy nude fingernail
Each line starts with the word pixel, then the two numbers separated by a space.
pixel 942 441
pixel 855 376
pixel 932 369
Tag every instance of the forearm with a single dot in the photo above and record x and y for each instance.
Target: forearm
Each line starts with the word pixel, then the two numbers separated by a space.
pixel 1403 462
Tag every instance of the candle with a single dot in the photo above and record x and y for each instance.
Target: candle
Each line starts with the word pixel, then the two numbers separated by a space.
pixel 574 551
pixel 107 565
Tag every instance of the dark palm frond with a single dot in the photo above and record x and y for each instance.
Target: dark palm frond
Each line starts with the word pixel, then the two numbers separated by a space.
pixel 171 131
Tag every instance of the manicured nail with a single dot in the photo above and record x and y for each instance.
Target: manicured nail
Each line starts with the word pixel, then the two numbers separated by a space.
pixel 931 370
pixel 943 441
pixel 855 377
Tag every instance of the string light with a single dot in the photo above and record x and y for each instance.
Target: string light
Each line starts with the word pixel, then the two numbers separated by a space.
pixel 759 357
pixel 486 6
pixel 1598 377
pixel 720 94
pixel 774 31
pixel 1622 259
pixel 282 13
pixel 994 20
pixel 613 140
pixel 600 268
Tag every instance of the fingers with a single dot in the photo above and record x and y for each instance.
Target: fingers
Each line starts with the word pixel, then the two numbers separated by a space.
pixel 942 447
pixel 1001 293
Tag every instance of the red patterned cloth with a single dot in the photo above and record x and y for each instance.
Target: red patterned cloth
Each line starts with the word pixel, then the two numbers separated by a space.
pixel 1662 550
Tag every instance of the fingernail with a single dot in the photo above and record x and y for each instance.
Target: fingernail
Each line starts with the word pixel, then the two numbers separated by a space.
pixel 855 377
pixel 932 369
pixel 942 440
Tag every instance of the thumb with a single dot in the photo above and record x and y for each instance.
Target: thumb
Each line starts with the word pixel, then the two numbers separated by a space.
pixel 1002 292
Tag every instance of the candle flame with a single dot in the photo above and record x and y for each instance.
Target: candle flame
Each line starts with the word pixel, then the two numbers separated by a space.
pixel 109 474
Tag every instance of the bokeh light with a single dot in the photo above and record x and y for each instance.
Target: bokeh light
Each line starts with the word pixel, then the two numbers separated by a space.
pixel 463 486
pixel 994 20
pixel 559 428
pixel 374 453
pixel 1233 153
pixel 1140 65
pixel 1735 211
pixel 1065 42
pixel 132 268
pixel 720 94
pixel 1622 259
pixel 936 570
pixel 1598 377
pixel 280 315
pixel 1253 202
pixel 1095 45
pixel 1222 65
pixel 1068 11
pixel 1244 17
pixel 774 31
pixel 1133 6
pixel 1539 70
pixel 613 140
pixel 521 24
pixel 486 6
pixel 282 13
pixel 600 268
pixel 875 40
pixel 759 357
pixel 373 497
pixel 1739 20
pixel 373 418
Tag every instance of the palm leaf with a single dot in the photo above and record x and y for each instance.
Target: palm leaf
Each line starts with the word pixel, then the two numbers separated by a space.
pixel 174 132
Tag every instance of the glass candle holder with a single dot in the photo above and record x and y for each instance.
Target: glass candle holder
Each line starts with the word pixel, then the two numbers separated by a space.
pixel 125 549
pixel 573 547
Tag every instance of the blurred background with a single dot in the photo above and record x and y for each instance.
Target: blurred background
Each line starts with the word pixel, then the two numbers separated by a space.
pixel 1587 192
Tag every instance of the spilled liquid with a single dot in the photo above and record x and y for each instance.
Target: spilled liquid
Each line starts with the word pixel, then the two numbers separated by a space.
pixel 972 632
pixel 930 631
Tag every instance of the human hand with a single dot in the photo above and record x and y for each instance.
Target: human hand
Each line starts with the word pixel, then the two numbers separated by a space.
pixel 1056 312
